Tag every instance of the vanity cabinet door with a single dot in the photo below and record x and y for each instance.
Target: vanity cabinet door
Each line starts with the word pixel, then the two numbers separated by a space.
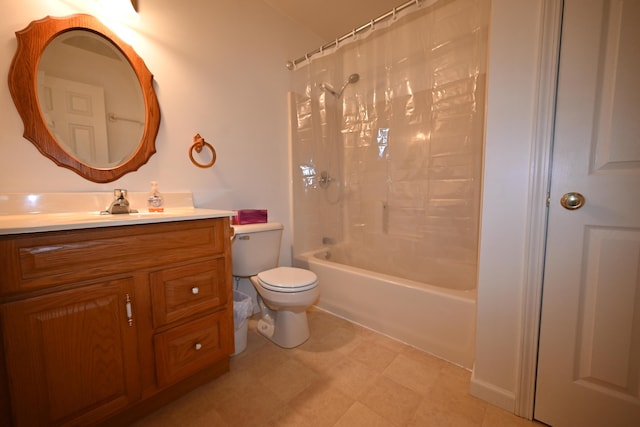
pixel 72 356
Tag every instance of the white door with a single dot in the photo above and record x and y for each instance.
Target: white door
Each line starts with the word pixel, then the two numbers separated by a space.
pixel 589 354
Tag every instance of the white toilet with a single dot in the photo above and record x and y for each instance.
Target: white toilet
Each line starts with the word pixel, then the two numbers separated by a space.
pixel 285 293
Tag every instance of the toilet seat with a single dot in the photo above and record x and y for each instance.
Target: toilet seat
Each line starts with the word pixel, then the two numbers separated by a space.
pixel 288 279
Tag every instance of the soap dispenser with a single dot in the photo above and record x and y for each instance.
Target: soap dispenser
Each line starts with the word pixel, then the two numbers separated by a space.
pixel 155 201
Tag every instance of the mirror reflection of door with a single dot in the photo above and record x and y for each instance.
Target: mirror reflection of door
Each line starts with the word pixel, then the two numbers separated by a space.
pixel 77 65
pixel 75 114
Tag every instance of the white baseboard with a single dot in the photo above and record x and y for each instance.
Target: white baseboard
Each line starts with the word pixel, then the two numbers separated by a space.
pixel 490 393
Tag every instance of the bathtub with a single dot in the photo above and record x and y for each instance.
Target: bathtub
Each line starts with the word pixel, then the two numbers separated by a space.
pixel 438 321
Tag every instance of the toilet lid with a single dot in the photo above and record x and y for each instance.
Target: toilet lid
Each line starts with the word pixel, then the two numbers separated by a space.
pixel 288 279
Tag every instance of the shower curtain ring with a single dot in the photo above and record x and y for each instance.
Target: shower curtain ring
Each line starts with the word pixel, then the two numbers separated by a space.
pixel 371 24
pixel 394 17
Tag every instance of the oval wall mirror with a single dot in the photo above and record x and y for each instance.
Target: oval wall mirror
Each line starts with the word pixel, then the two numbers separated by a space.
pixel 85 97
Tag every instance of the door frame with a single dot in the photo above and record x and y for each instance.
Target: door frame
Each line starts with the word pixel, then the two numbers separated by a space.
pixel 538 199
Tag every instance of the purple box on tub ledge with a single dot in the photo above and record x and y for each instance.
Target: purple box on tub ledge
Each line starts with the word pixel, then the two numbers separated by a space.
pixel 249 216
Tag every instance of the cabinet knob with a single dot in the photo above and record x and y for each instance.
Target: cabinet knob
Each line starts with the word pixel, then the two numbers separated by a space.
pixel 198 346
pixel 195 290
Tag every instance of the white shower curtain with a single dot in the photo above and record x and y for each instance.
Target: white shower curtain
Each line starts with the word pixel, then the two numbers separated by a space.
pixel 390 171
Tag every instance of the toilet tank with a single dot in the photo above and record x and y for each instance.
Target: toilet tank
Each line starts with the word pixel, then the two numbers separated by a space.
pixel 255 248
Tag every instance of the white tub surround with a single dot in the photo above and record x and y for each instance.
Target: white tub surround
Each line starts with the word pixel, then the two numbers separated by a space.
pixel 30 213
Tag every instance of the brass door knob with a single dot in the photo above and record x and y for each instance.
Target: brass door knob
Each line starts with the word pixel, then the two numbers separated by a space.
pixel 572 201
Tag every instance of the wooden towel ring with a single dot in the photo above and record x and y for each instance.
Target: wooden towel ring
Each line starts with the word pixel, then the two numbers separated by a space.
pixel 198 144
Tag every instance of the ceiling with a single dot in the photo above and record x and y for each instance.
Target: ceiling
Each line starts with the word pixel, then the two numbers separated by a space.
pixel 330 19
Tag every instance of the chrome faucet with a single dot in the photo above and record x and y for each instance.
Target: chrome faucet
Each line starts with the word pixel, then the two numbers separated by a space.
pixel 120 204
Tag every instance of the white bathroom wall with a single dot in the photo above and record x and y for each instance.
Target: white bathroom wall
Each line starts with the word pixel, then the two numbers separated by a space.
pixel 514 60
pixel 219 70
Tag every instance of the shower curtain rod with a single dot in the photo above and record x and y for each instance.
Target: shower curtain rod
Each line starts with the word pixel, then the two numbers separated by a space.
pixel 291 65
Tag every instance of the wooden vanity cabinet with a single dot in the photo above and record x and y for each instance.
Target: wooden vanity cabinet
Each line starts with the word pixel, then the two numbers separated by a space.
pixel 107 324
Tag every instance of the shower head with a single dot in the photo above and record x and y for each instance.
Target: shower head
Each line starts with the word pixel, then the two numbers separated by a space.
pixel 353 78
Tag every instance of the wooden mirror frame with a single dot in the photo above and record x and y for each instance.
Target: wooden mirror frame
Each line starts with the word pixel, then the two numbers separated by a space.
pixel 32 41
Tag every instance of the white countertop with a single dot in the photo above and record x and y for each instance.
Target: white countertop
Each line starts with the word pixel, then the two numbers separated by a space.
pixel 53 212
pixel 34 223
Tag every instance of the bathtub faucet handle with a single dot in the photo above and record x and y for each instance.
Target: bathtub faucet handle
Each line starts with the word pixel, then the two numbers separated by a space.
pixel 328 241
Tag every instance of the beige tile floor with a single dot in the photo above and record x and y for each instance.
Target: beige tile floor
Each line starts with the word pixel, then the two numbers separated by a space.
pixel 344 375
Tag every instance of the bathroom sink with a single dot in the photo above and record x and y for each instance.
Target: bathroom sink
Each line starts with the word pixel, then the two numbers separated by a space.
pixel 37 222
pixel 32 213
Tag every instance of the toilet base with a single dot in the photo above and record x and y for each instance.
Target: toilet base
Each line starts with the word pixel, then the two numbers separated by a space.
pixel 287 329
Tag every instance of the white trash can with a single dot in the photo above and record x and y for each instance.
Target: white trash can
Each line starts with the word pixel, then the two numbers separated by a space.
pixel 242 310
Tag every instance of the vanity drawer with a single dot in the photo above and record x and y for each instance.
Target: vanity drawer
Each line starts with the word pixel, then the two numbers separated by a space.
pixel 186 349
pixel 181 292
pixel 40 260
